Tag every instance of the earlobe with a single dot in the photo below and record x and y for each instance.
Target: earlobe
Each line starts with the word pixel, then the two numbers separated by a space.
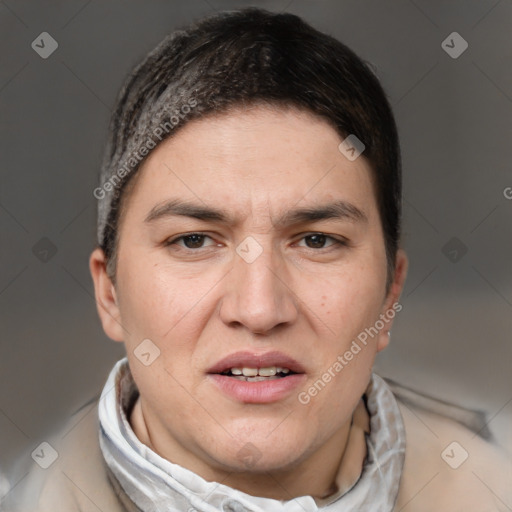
pixel 391 304
pixel 105 295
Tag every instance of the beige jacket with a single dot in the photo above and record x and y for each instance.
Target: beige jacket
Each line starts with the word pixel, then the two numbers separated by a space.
pixel 449 466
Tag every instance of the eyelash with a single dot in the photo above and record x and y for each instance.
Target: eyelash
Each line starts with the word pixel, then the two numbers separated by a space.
pixel 337 242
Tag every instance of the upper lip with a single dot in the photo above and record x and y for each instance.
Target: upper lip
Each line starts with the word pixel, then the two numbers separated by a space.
pixel 251 360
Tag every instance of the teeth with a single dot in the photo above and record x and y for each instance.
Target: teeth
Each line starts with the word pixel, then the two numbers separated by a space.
pixel 249 372
pixel 259 379
pixel 254 379
pixel 269 371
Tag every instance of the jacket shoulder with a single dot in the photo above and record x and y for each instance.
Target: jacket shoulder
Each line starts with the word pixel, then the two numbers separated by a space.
pixel 78 479
pixel 451 461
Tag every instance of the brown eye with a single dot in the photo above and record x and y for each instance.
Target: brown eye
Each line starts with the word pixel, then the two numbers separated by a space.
pixel 318 241
pixel 315 241
pixel 192 241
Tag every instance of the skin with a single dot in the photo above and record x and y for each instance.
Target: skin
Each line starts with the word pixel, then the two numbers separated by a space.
pixel 201 304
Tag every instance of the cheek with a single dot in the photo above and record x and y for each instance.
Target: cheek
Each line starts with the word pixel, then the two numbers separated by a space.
pixel 351 298
pixel 155 302
pixel 172 310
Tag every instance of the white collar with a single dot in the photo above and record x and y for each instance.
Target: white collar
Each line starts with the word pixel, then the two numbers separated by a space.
pixel 155 484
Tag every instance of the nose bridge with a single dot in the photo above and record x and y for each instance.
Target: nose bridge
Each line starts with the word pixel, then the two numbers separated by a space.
pixel 259 267
pixel 261 298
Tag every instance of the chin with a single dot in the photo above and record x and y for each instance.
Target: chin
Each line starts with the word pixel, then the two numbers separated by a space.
pixel 261 454
pixel 257 462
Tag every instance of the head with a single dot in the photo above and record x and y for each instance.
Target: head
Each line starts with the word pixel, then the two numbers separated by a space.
pixel 230 221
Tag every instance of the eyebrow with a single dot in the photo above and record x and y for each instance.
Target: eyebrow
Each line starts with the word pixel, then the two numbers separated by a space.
pixel 337 210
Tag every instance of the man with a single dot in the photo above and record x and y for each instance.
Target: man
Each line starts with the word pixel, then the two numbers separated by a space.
pixel 248 258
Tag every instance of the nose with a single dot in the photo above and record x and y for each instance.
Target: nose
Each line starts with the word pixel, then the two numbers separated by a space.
pixel 259 294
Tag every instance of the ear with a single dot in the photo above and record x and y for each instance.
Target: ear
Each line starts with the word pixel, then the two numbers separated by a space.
pixel 391 306
pixel 105 295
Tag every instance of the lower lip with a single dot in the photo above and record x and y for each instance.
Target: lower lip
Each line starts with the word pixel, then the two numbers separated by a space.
pixel 258 392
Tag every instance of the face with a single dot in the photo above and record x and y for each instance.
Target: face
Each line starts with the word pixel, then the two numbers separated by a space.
pixel 249 242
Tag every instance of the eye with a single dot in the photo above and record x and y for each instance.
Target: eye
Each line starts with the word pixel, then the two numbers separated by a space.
pixel 191 241
pixel 318 240
pixel 197 241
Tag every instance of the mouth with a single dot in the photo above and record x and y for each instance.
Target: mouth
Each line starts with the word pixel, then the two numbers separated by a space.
pixel 258 374
pixel 249 365
pixel 257 378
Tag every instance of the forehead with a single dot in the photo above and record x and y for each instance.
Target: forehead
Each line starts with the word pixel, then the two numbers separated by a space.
pixel 258 159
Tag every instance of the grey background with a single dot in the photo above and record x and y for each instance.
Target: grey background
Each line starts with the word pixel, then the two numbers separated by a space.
pixel 451 340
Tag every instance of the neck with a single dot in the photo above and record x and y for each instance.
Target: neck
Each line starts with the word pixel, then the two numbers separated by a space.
pixel 315 476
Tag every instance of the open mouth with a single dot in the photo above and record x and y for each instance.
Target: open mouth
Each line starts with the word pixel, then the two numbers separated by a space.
pixel 258 374
pixel 249 377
